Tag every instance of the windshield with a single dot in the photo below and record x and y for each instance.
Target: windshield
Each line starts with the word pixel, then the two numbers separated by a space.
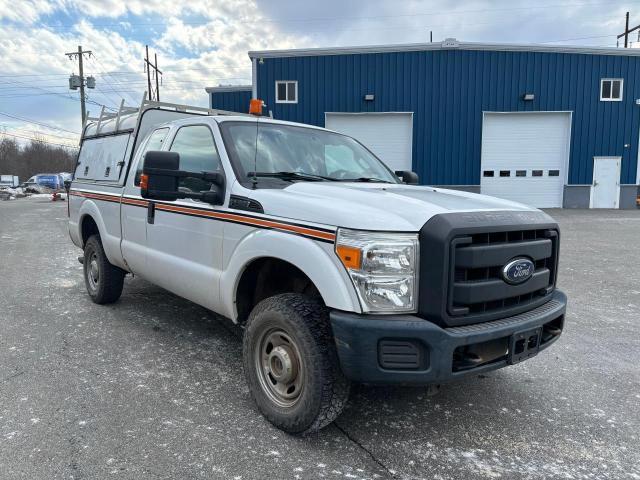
pixel 308 151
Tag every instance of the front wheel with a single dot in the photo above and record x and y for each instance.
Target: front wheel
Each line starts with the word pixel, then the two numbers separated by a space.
pixel 291 363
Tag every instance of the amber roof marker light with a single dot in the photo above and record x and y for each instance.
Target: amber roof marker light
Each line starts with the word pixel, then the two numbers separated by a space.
pixel 255 106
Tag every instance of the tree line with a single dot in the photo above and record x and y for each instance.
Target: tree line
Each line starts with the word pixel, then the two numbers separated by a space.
pixel 34 157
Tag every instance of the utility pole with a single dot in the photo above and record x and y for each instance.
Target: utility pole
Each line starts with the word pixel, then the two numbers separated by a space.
pixel 72 82
pixel 148 66
pixel 627 31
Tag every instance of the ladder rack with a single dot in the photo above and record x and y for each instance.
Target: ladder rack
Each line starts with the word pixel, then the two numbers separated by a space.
pixel 145 104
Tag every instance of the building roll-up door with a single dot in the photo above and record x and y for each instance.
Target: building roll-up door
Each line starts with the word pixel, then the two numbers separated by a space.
pixel 525 156
pixel 388 135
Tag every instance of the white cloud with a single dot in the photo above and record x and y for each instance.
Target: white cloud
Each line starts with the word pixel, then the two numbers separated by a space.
pixel 191 55
pixel 205 43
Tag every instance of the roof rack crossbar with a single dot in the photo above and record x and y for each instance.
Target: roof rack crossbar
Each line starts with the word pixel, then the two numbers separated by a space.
pixel 146 104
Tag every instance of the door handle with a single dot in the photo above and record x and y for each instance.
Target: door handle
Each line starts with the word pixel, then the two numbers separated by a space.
pixel 151 213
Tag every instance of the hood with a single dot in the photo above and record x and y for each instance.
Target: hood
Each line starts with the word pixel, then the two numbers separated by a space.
pixel 382 207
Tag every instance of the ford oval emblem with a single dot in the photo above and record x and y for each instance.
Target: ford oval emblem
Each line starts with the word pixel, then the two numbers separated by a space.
pixel 518 271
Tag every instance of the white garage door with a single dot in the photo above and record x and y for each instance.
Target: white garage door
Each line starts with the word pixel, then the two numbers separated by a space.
pixel 388 135
pixel 524 156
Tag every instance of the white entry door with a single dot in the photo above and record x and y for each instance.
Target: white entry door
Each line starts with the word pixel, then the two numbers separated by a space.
pixel 605 191
pixel 388 135
pixel 524 156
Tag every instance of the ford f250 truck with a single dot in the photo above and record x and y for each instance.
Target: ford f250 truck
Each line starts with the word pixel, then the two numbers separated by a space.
pixel 338 269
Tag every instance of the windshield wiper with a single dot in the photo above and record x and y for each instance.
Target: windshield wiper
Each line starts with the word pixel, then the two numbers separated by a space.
pixel 291 176
pixel 365 179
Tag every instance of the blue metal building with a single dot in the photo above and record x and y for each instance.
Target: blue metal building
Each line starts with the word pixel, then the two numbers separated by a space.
pixel 546 125
pixel 235 98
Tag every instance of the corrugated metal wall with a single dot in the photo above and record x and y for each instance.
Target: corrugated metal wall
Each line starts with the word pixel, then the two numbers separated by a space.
pixel 234 101
pixel 449 89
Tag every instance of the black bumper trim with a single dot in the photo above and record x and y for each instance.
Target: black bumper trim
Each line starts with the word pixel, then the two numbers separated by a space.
pixel 357 338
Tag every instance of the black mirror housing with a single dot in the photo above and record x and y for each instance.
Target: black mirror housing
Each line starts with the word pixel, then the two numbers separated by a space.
pixel 159 180
pixel 408 177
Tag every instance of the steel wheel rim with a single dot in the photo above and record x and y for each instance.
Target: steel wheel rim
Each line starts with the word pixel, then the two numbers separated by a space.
pixel 93 272
pixel 279 367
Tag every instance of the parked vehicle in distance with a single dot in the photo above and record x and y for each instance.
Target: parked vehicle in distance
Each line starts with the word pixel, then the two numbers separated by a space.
pixel 9 181
pixel 339 269
pixel 44 183
pixel 66 176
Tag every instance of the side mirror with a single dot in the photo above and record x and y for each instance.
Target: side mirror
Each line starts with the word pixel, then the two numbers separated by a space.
pixel 160 180
pixel 67 185
pixel 408 177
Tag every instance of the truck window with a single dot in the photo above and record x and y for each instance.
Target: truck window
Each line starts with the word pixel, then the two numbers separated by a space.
pixel 288 148
pixel 198 153
pixel 154 143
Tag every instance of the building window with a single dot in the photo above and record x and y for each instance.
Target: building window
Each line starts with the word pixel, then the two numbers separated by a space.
pixel 611 90
pixel 554 173
pixel 521 173
pixel 505 173
pixel 488 173
pixel 286 91
pixel 536 173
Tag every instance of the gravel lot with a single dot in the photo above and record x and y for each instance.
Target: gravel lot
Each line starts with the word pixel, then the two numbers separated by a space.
pixel 152 386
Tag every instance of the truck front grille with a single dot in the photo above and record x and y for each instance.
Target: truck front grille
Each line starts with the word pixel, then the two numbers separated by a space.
pixel 477 288
pixel 461 260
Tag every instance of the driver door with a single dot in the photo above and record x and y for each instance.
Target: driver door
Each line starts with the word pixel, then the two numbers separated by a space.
pixel 184 243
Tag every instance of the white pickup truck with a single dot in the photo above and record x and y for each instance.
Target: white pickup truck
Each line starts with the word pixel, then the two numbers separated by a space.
pixel 338 269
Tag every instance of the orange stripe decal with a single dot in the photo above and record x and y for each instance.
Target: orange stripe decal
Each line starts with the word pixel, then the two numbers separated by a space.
pixel 232 217
pixel 250 221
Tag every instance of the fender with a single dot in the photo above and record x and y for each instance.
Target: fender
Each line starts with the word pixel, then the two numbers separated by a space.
pixel 316 259
pixel 110 238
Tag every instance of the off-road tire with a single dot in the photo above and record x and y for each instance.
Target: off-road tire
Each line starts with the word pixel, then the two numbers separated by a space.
pixel 108 287
pixel 325 389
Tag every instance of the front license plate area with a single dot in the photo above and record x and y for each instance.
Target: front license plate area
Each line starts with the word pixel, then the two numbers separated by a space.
pixel 524 344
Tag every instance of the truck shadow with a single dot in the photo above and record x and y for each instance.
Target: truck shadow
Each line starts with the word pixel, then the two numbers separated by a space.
pixel 475 403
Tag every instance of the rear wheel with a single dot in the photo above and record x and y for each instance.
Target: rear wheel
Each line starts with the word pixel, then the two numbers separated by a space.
pixel 103 280
pixel 291 363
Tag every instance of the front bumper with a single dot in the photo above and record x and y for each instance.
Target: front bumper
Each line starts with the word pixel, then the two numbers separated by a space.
pixel 404 349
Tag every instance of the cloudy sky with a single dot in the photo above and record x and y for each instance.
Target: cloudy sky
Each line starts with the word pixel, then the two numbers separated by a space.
pixel 205 43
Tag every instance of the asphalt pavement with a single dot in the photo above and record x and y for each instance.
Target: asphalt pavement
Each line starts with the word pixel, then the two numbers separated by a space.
pixel 152 386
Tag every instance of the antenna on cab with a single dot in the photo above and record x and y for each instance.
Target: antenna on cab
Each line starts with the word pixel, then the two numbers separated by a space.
pixel 255 108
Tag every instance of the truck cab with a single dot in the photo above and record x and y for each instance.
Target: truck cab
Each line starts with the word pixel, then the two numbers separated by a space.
pixel 339 269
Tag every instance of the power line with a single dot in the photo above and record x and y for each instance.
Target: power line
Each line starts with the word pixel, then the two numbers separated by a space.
pixel 38 140
pixel 17 117
pixel 132 72
pixel 97 60
pixel 128 84
pixel 36 132
pixel 48 92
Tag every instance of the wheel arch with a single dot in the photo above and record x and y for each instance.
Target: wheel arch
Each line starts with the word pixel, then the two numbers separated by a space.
pixel 88 227
pixel 93 214
pixel 307 259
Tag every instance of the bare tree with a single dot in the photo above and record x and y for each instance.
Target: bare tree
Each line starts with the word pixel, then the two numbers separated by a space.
pixel 33 158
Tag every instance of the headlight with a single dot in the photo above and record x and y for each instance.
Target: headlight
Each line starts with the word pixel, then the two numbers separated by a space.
pixel 382 267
